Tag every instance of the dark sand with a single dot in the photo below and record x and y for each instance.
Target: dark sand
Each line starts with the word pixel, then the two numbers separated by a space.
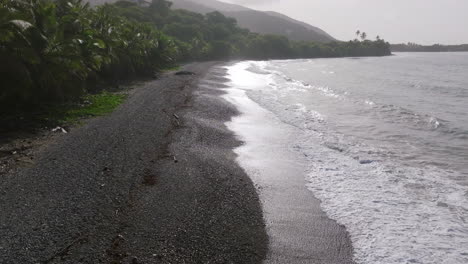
pixel 154 182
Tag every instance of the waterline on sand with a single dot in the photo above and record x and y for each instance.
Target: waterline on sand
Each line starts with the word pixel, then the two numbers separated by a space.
pixel 299 230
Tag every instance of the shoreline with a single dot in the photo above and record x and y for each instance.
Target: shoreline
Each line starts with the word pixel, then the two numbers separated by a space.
pixel 159 181
pixel 298 228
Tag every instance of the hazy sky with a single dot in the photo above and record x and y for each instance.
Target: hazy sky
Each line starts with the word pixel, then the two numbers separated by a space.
pixel 421 21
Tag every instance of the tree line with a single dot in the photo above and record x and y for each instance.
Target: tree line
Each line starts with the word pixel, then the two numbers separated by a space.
pixel 414 47
pixel 57 50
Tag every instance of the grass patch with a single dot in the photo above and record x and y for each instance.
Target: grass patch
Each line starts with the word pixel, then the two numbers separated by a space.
pixel 52 115
pixel 93 105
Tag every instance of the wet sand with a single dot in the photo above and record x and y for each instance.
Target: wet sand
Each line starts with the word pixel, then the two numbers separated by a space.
pixel 299 231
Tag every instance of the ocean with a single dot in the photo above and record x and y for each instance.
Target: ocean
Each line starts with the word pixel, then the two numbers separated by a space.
pixel 381 142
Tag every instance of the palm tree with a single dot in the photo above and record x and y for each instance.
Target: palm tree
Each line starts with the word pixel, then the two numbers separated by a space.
pixel 363 36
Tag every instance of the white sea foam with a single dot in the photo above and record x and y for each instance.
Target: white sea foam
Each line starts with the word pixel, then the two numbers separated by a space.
pixel 434 122
pixel 395 213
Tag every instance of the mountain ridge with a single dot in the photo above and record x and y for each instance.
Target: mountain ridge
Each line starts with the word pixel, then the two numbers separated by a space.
pixel 262 22
pixel 306 25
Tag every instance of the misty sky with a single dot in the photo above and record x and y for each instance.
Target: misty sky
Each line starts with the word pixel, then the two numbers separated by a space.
pixel 421 21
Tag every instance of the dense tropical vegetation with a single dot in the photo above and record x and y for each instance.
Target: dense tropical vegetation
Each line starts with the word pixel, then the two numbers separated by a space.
pixel 58 50
pixel 55 50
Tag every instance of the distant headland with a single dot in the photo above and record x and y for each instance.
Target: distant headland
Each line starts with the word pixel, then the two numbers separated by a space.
pixel 413 47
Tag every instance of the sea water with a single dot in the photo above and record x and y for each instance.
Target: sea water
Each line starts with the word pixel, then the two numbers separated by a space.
pixel 383 142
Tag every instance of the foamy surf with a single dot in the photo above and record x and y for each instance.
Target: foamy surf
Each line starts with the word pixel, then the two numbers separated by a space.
pixel 397 205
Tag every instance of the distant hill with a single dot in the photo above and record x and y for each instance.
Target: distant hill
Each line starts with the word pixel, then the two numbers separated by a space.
pixel 258 21
pixel 310 27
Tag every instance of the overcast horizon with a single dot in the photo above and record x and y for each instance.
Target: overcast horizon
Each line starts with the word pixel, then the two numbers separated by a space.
pixel 399 21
